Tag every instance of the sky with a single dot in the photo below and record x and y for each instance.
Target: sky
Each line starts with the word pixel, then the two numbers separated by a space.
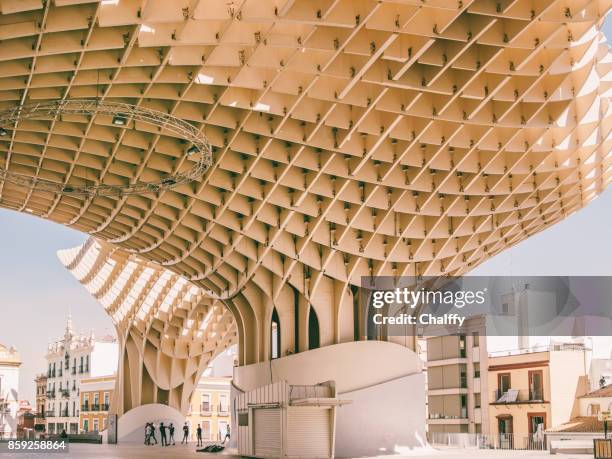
pixel 37 292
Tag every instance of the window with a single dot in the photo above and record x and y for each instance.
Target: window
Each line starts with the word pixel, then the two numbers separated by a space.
pixel 477 370
pixel 206 430
pixel 95 425
pixel 476 339
pixel 86 425
pixel 223 405
pixel 96 399
pixel 477 400
pixel 537 422
pixel 275 335
pixel 314 341
pixel 462 352
pixel 106 398
pixel 205 403
pixel 535 385
pixel 503 383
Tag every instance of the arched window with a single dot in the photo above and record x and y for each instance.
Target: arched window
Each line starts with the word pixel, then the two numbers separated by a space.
pixel 313 330
pixel 275 335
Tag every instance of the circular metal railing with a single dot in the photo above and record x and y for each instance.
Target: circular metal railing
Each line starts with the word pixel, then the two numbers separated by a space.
pixel 122 115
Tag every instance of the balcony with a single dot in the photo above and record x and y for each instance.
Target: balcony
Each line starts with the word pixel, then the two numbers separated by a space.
pixel 64 413
pixel 49 414
pixel 65 393
pixel 513 396
pixel 104 407
pixel 50 394
pixel 444 418
pixel 95 407
pixel 85 408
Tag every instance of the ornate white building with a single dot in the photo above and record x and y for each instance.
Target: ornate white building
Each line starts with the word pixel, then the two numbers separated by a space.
pixel 69 359
pixel 9 383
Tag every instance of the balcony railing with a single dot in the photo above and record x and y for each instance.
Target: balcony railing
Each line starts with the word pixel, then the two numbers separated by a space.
pixel 64 413
pixel 49 414
pixel 85 408
pixel 518 396
pixel 50 394
pixel 488 442
pixel 65 393
pixel 95 407
pixel 462 415
pixel 104 407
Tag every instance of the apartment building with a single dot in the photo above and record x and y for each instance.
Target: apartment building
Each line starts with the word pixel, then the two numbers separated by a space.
pixel 41 402
pixel 456 392
pixel 210 408
pixel 535 389
pixel 70 359
pixel 96 399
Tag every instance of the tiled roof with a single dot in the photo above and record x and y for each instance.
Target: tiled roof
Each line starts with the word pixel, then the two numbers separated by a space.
pixel 580 424
pixel 605 391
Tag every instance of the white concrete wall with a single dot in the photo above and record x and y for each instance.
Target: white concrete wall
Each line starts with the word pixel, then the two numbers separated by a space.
pixel 9 384
pixel 383 419
pixel 566 370
pixel 605 404
pixel 130 427
pixel 384 381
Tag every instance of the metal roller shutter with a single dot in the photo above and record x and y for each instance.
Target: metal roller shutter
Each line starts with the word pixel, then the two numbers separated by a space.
pixel 267 427
pixel 309 432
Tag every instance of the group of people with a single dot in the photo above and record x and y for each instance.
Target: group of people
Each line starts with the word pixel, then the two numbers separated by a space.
pixel 164 431
pixel 151 439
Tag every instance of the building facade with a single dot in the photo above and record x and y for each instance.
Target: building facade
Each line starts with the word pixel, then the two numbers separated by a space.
pixel 210 408
pixel 40 424
pixel 9 395
pixel 25 420
pixel 535 389
pixel 96 399
pixel 69 360
pixel 456 392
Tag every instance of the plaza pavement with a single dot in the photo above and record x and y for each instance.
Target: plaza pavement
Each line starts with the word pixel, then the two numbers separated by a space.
pixel 137 451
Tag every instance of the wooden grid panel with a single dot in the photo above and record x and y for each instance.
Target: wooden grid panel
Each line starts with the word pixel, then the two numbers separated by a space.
pixel 351 138
pixel 169 330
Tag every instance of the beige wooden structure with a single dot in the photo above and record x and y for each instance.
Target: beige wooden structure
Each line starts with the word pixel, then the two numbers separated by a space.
pixel 349 138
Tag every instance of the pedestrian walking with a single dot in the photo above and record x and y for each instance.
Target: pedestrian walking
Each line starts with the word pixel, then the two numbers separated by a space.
pixel 147 434
pixel 162 433
pixel 171 439
pixel 227 433
pixel 199 431
pixel 152 433
pixel 185 434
